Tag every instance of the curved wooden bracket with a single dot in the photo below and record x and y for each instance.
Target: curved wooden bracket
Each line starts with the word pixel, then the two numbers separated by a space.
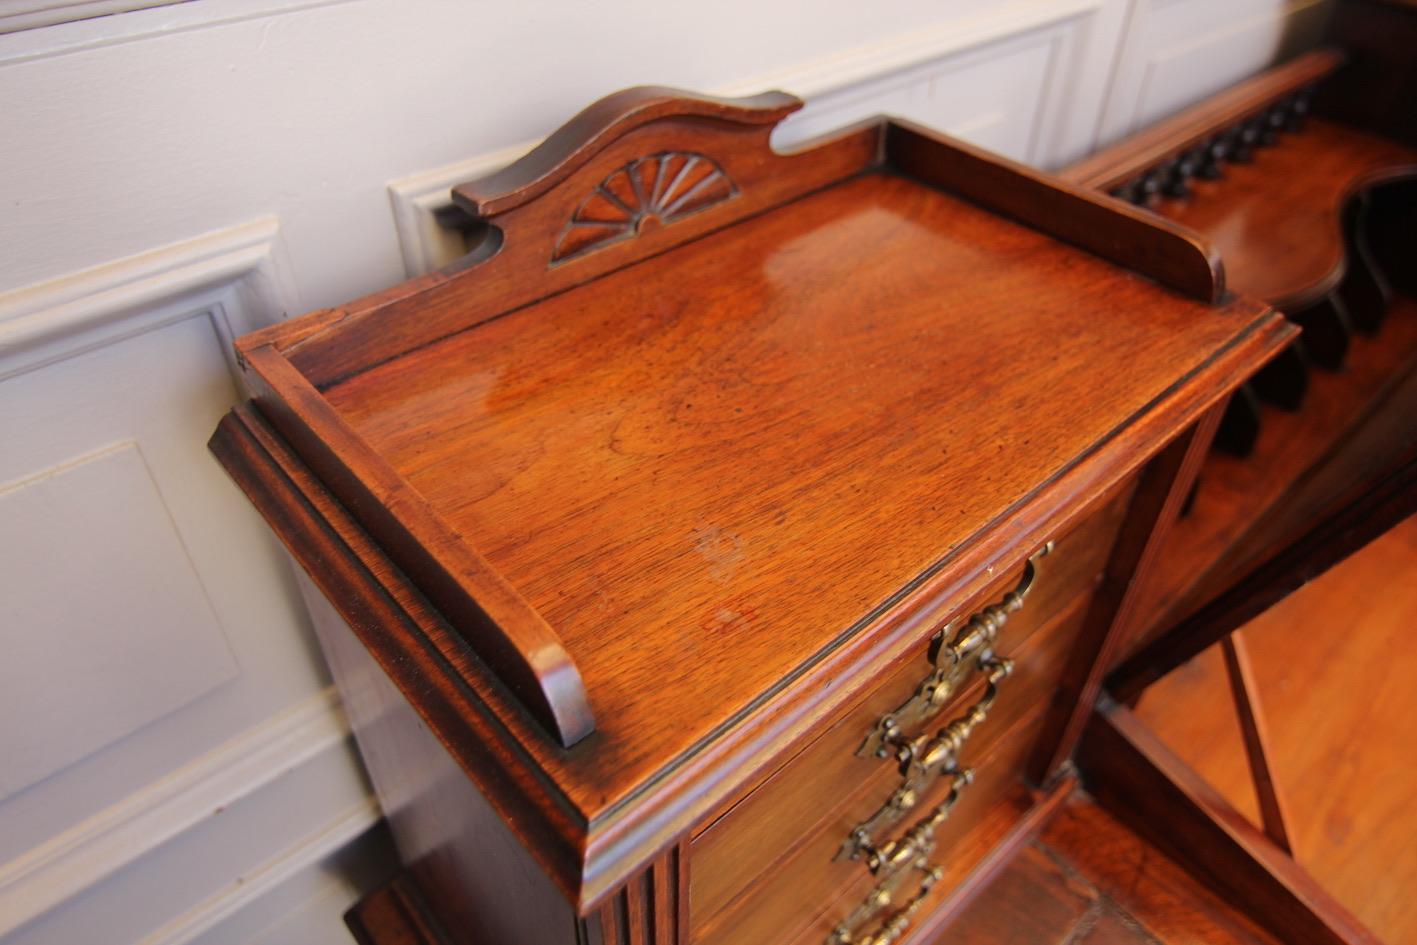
pixel 610 118
pixel 501 628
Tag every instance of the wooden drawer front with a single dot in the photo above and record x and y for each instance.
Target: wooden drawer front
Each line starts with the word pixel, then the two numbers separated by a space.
pixel 811 877
pixel 732 852
pixel 807 895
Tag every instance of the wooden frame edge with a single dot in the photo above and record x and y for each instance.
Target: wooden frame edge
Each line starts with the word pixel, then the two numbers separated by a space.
pixel 1142 782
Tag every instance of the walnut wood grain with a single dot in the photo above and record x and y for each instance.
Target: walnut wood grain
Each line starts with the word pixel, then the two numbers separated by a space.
pixel 782 813
pixel 556 466
pixel 743 858
pixel 483 608
pixel 1172 255
pixel 1277 221
pixel 728 467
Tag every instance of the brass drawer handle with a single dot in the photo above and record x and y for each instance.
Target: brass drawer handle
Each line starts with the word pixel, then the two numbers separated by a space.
pixel 926 759
pixel 897 862
pixel 970 648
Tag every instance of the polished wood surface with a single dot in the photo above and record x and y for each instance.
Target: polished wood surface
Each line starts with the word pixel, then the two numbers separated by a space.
pixel 1277 221
pixel 787 809
pixel 1087 879
pixel 1340 737
pixel 1174 256
pixel 750 865
pixel 693 453
pixel 560 434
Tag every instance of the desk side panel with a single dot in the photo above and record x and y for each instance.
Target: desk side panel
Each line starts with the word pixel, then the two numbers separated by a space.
pixel 481 884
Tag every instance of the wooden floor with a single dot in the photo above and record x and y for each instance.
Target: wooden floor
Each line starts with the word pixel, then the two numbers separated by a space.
pixel 1336 667
pixel 1088 880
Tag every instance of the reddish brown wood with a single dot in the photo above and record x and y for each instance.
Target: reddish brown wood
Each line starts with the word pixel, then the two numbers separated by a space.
pixel 1142 782
pixel 785 810
pixel 1308 225
pixel 654 711
pixel 1302 465
pixel 406 638
pixel 960 894
pixel 598 126
pixel 1172 255
pixel 516 268
pixel 1375 510
pixel 1155 505
pixel 646 911
pixel 810 895
pixel 1341 736
pixel 1253 729
pixel 483 608
pixel 667 474
pixel 1277 221
pixel 1033 899
pixel 1086 879
pixel 791 817
pixel 394 914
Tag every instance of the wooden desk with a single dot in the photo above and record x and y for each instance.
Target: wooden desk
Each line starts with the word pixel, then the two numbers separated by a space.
pixel 731 548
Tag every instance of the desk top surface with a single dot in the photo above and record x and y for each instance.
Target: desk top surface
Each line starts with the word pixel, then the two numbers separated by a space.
pixel 674 462
pixel 704 469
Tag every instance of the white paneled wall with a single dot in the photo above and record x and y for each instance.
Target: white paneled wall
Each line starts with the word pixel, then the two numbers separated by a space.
pixel 173 765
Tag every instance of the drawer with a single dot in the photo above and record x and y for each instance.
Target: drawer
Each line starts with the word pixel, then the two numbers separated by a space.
pixel 809 870
pixel 806 895
pixel 733 851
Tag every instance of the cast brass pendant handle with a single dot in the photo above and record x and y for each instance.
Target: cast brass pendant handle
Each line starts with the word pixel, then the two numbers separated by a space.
pixel 955 657
pixel 895 863
pixel 922 759
pixel 929 757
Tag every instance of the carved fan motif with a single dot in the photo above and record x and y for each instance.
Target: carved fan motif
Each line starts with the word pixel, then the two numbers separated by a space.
pixel 661 188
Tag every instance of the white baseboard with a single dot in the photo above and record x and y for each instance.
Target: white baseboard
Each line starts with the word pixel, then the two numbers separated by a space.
pixel 99 847
pixel 285 868
pixel 61 317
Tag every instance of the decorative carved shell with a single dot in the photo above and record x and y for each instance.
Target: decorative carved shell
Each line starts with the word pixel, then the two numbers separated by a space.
pixel 662 188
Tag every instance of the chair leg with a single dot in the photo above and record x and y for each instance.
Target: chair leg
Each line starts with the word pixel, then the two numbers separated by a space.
pixel 1273 818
